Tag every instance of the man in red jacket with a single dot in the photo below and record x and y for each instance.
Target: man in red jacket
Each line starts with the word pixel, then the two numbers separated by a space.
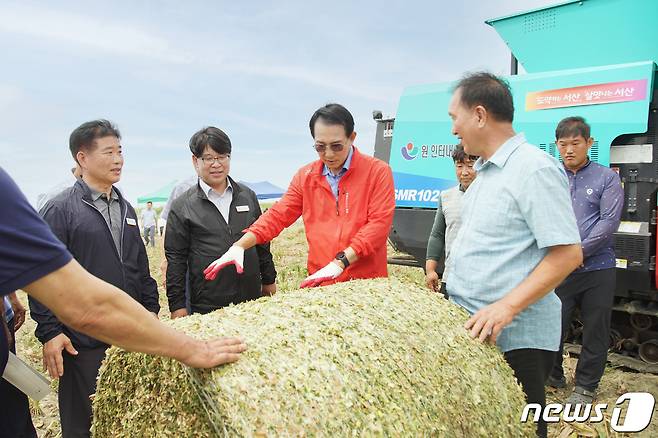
pixel 346 200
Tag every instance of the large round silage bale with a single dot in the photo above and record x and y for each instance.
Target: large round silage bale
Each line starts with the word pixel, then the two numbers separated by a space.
pixel 364 358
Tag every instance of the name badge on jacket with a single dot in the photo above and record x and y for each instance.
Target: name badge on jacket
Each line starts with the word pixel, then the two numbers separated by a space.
pixel 131 221
pixel 241 208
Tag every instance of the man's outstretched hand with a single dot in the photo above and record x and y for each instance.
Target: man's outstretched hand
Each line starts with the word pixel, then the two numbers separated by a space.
pixel 234 256
pixel 214 352
pixel 329 272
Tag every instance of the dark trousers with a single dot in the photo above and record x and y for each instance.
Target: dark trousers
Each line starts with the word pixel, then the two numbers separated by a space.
pixel 531 368
pixel 593 293
pixel 15 417
pixel 75 387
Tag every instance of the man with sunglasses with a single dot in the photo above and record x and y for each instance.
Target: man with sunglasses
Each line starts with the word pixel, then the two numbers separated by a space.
pixel 207 219
pixel 346 200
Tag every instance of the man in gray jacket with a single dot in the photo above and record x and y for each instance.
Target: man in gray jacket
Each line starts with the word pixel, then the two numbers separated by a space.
pixel 99 227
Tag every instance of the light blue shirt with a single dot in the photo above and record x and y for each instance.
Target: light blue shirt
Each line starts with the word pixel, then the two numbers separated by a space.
pixel 516 208
pixel 148 218
pixel 334 179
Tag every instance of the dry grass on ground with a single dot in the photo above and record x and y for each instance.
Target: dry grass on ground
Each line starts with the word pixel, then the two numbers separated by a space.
pixel 290 251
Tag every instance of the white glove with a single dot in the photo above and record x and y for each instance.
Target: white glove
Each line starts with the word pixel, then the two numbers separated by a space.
pixel 234 256
pixel 329 272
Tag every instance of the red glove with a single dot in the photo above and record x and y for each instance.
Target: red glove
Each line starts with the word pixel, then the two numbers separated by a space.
pixel 234 256
pixel 329 272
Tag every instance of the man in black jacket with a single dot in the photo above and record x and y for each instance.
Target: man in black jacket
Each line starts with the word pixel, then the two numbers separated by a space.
pixel 99 228
pixel 205 221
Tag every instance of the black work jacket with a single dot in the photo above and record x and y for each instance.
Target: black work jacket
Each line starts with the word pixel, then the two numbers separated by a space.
pixel 197 234
pixel 76 221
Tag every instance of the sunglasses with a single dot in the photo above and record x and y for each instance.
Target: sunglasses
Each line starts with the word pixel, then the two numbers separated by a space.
pixel 336 147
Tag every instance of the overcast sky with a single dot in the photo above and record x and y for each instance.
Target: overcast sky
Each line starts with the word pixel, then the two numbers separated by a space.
pixel 163 69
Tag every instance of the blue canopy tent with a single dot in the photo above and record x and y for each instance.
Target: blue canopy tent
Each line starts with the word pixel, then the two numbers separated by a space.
pixel 264 189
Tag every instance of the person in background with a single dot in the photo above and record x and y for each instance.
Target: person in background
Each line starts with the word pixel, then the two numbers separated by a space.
pixel 178 190
pixel 34 260
pixel 597 198
pixel 518 239
pixel 149 223
pixel 59 188
pixel 15 416
pixel 208 219
pixel 448 220
pixel 346 199
pixel 99 227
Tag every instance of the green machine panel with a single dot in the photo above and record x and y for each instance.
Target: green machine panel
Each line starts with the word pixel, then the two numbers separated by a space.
pixel 614 100
pixel 582 33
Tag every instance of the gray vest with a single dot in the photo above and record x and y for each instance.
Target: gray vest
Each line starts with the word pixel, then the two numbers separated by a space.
pixel 451 204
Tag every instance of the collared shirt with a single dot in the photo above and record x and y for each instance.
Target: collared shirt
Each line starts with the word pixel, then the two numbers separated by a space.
pixel 334 179
pixel 222 201
pixel 446 225
pixel 598 199
pixel 111 211
pixel 516 208
pixel 148 218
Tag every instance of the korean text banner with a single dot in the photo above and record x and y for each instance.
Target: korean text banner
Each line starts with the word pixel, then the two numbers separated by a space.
pixel 611 92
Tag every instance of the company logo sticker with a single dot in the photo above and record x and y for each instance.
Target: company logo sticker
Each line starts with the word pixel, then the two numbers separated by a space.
pixel 409 152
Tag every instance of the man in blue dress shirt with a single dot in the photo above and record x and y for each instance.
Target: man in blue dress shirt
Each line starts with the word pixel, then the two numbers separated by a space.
pixel 597 198
pixel 518 238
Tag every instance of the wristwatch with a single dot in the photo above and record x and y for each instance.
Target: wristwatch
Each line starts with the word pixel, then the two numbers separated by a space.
pixel 341 257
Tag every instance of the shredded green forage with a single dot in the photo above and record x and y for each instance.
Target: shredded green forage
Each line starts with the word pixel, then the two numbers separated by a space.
pixel 362 358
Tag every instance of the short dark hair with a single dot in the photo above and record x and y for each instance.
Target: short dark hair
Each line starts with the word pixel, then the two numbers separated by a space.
pixel 459 155
pixel 333 114
pixel 490 91
pixel 572 127
pixel 210 136
pixel 85 135
pixel 149 202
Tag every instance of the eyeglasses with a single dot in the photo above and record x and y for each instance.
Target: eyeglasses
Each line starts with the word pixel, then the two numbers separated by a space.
pixel 209 161
pixel 336 147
